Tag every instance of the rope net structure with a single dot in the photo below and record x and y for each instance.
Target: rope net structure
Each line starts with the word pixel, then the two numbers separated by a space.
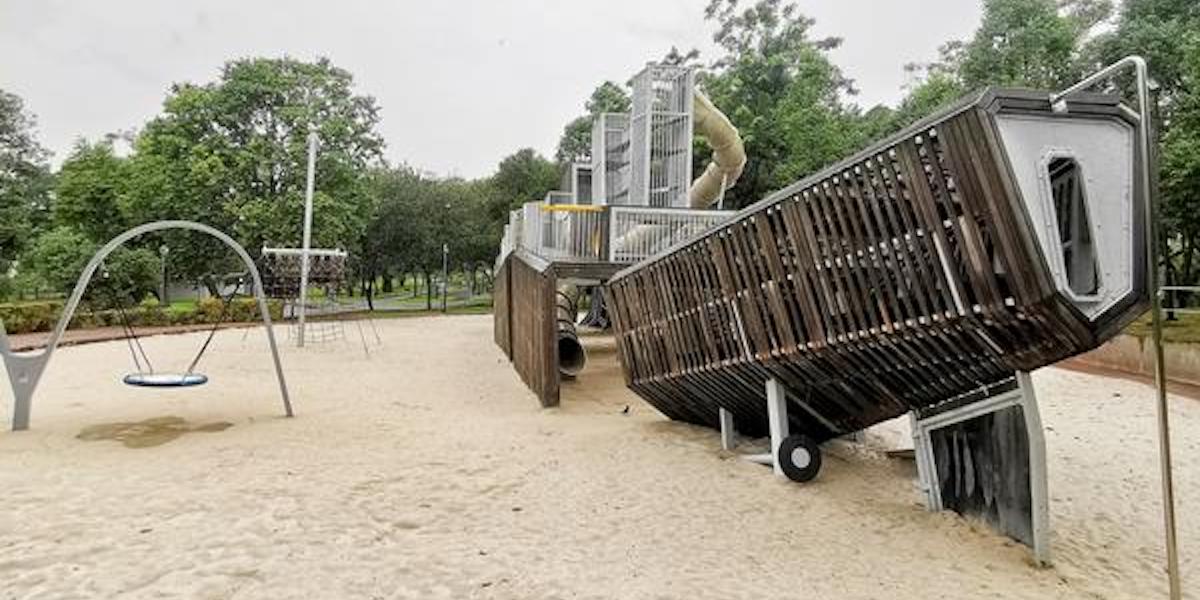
pixel 281 272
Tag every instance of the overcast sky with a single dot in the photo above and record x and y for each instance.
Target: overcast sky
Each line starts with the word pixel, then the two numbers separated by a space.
pixel 460 83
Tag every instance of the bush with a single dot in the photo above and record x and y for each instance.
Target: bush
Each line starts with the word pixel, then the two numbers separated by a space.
pixel 58 256
pixel 133 273
pixel 29 317
pixel 33 317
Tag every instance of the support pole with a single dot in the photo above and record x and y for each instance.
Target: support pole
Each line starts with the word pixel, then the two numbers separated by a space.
pixel 445 274
pixel 1154 283
pixel 777 420
pixel 308 210
pixel 1022 395
pixel 728 434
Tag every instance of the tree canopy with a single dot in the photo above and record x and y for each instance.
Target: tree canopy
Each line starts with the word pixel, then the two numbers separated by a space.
pixel 780 88
pixel 92 185
pixel 231 152
pixel 25 180
pixel 576 142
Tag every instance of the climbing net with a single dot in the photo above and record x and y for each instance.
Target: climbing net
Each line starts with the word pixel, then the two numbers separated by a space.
pixel 281 273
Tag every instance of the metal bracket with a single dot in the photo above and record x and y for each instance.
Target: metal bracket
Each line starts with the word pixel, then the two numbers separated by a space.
pixel 1023 397
pixel 777 425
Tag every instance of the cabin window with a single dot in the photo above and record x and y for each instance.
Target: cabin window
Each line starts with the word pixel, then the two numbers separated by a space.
pixel 1074 226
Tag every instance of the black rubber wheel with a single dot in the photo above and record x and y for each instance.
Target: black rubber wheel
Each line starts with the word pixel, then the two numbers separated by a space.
pixel 799 457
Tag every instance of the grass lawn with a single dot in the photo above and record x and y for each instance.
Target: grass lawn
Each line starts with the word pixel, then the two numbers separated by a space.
pixel 1183 328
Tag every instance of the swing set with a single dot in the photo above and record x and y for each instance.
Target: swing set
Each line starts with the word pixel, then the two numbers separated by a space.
pixel 145 375
pixel 25 370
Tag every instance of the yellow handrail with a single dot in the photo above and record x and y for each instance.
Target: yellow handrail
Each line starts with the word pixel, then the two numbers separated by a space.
pixel 570 208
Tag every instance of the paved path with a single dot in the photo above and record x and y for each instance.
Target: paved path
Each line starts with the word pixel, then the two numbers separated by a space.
pixel 22 342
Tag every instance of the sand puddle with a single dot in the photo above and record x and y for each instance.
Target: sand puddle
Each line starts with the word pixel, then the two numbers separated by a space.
pixel 148 433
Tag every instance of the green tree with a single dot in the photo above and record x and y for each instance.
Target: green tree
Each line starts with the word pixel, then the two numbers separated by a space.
pixel 232 153
pixel 524 176
pixel 131 274
pixel 936 90
pixel 1033 43
pixel 475 239
pixel 1022 43
pixel 1179 172
pixel 25 180
pixel 393 238
pixel 91 188
pixel 576 142
pixel 1167 34
pixel 781 90
pixel 440 214
pixel 58 257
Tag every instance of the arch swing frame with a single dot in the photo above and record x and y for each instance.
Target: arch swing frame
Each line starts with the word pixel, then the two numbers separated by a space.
pixel 25 370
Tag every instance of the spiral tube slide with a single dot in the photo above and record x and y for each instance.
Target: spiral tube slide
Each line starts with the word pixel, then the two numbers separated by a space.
pixel 729 155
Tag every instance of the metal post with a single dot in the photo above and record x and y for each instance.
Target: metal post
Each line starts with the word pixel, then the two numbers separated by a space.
pixel 1154 277
pixel 777 420
pixel 728 434
pixel 1023 397
pixel 163 250
pixel 308 208
pixel 445 273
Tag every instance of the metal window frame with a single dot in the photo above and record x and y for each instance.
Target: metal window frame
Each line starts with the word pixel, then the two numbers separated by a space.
pixel 1022 396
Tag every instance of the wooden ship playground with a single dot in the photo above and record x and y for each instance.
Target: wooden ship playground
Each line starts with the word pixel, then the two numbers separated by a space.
pixel 913 287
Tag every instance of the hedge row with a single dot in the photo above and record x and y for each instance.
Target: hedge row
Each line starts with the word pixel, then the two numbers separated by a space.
pixel 42 316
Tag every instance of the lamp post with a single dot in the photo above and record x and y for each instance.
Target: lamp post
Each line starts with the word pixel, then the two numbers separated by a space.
pixel 1154 276
pixel 445 257
pixel 313 140
pixel 163 250
pixel 445 274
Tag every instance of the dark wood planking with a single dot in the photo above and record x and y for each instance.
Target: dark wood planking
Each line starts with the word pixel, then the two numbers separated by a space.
pixel 893 281
pixel 524 318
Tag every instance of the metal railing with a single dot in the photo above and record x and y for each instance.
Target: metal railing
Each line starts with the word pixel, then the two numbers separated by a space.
pixel 637 233
pixel 660 136
pixel 620 234
pixel 566 232
pixel 1154 267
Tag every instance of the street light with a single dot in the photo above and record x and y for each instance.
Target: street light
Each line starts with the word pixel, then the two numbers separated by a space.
pixel 445 273
pixel 313 141
pixel 163 250
pixel 445 262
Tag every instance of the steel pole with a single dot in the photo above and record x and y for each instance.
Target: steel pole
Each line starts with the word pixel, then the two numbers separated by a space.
pixel 1154 281
pixel 308 209
pixel 162 297
pixel 445 274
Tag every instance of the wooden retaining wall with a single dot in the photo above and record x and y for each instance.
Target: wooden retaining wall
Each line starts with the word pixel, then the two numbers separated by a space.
pixel 501 317
pixel 1135 355
pixel 524 318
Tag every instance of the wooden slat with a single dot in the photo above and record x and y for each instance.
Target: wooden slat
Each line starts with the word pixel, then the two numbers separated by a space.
pixel 890 282
pixel 525 321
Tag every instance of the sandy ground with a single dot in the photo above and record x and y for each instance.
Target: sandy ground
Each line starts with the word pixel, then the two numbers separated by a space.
pixel 428 471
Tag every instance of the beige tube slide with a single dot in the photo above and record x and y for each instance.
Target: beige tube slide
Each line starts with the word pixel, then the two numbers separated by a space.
pixel 729 155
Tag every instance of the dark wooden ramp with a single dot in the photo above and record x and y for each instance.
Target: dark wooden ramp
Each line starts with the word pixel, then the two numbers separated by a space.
pixel 901 277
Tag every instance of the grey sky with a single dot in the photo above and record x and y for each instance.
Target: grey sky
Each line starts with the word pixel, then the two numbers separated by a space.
pixel 461 84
